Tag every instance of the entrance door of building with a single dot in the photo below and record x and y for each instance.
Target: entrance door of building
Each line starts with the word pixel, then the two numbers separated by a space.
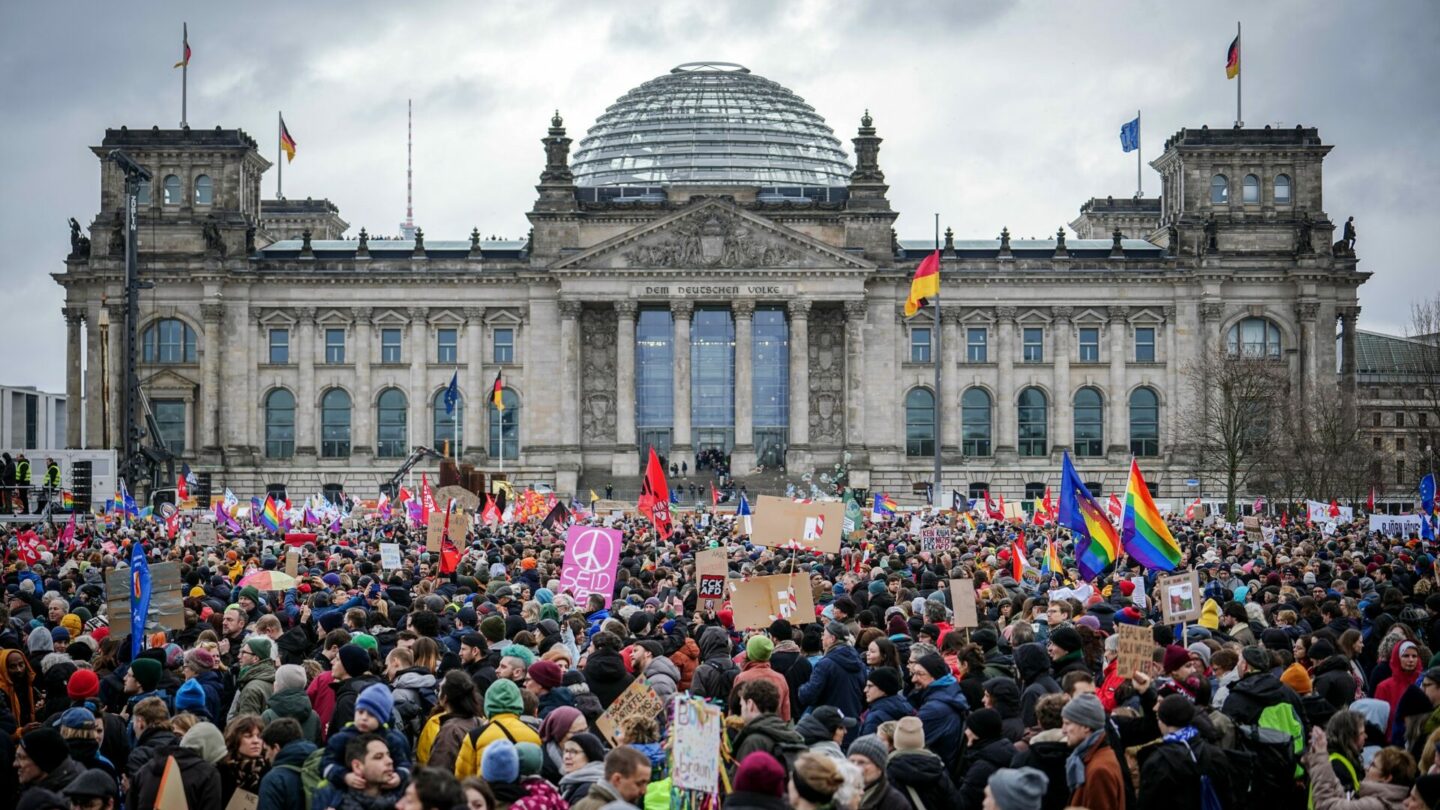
pixel 658 438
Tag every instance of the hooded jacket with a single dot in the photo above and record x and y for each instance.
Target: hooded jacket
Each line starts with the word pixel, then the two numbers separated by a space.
pixel 294 704
pixel 686 659
pixel 21 698
pixel 664 677
pixel 414 692
pixel 199 778
pixel 1005 698
pixel 716 672
pixel 253 689
pixel 1170 775
pixel 890 707
pixel 984 758
pixel 760 671
pixel 922 778
pixel 839 681
pixel 1393 688
pixel 1034 668
pixel 766 733
pixel 1047 753
pixel 606 675
pixel 942 710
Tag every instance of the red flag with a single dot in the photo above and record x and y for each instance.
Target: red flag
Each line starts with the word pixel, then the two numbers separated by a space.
pixel 403 496
pixel 1114 506
pixel 1334 508
pixel 992 511
pixel 67 535
pixel 491 513
pixel 30 546
pixel 1370 502
pixel 714 495
pixel 1017 559
pixel 182 490
pixel 1189 510
pixel 1285 518
pixel 655 497
pixel 172 523
pixel 427 500
pixel 449 556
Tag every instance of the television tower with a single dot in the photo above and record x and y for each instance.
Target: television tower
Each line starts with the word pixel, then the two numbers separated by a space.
pixel 407 228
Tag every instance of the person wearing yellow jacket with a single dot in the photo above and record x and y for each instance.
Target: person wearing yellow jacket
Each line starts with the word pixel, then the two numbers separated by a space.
pixel 502 708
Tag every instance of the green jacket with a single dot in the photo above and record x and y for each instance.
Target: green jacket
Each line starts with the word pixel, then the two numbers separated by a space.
pixel 252 690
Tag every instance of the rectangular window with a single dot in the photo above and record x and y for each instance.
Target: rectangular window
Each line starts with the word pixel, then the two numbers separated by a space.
pixel 1400 471
pixel 1379 443
pixel 1424 420
pixel 975 345
pixel 504 346
pixel 389 345
pixel 445 341
pixel 1089 344
pixel 1033 345
pixel 32 423
pixel 279 347
pixel 1145 344
pixel 1375 418
pixel 1399 444
pixel 334 346
pixel 170 420
pixel 920 344
pixel 1399 419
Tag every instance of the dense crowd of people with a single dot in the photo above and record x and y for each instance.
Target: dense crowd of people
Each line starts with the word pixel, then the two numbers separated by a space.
pixel 1310 679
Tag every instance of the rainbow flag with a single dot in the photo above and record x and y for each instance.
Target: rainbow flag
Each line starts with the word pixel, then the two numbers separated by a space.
pixel 270 515
pixel 67 499
pixel 1050 563
pixel 1097 544
pixel 1144 535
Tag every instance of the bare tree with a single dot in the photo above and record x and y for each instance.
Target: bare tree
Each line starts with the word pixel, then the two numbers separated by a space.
pixel 1235 414
pixel 1318 451
pixel 1420 390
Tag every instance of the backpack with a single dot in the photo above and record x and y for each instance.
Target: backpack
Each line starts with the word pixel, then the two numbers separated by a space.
pixel 787 753
pixel 1267 754
pixel 311 778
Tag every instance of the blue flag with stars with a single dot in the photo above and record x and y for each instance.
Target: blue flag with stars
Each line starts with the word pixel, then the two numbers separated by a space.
pixel 1130 135
pixel 452 394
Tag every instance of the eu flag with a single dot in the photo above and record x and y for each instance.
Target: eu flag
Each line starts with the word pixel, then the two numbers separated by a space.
pixel 1130 135
pixel 452 394
pixel 139 597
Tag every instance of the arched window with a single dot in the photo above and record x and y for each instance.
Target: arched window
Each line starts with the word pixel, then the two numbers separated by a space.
pixel 390 424
pixel 204 190
pixel 335 424
pixel 1250 190
pixel 975 422
pixel 168 341
pixel 505 426
pixel 1282 189
pixel 449 427
pixel 1254 338
pixel 1219 189
pixel 279 424
pixel 173 194
pixel 1144 422
pixel 1033 418
pixel 920 423
pixel 1089 423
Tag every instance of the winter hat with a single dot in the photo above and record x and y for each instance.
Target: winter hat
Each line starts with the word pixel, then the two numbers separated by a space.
pixel 872 748
pixel 290 676
pixel 206 739
pixel 1066 638
pixel 546 674
pixel 1210 615
pixel 1176 711
pixel 1321 649
pixel 1201 649
pixel 531 758
pixel 759 772
pixel 1256 658
pixel 77 717
pixel 60 634
pixel 493 628
pixel 200 660
pixel 92 784
pixel 500 762
pixel 1428 786
pixel 190 695
pixel 838 630
pixel 1085 710
pixel 40 639
pixel 377 700
pixel 934 665
pixel 1092 622
pixel 365 641
pixel 1018 788
pixel 759 648
pixel 1175 658
pixel 354 660
pixel 249 592
pixel 909 734
pixel 589 743
pixel 83 684
pixel 147 672
pixel 503 697
pixel 985 723
pixel 260 645
pixel 474 640
pixel 886 679
pixel 46 747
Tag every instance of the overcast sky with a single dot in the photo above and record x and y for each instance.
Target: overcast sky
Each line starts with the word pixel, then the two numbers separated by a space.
pixel 993 114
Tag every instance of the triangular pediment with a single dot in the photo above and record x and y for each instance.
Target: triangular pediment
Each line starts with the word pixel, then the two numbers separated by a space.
pixel 168 380
pixel 712 235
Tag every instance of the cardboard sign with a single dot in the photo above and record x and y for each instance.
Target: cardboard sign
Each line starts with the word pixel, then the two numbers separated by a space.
pixel 638 700
pixel 759 601
pixel 1137 647
pixel 780 522
pixel 167 596
pixel 117 601
pixel 203 534
pixel 936 538
pixel 1180 597
pixel 711 570
pixel 695 759
pixel 243 800
pixel 1252 528
pixel 459 528
pixel 592 554
pixel 962 595
pixel 1013 511
pixel 390 556
pixel 464 498
pixel 292 561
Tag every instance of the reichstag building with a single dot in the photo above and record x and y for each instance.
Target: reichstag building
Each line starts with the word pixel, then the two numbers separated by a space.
pixel 710 268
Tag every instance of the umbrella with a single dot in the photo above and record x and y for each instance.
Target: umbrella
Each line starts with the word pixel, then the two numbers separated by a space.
pixel 269 581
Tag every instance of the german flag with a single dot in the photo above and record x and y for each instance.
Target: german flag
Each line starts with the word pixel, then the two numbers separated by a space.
pixel 1232 59
pixel 497 395
pixel 925 284
pixel 287 143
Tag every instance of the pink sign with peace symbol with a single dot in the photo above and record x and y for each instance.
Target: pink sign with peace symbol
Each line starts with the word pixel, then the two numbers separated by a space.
pixel 591 556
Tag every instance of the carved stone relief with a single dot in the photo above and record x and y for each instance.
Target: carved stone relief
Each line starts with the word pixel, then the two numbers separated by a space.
pixel 717 239
pixel 827 376
pixel 597 363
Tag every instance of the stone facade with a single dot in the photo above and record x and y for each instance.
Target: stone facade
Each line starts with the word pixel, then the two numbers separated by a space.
pixel 555 317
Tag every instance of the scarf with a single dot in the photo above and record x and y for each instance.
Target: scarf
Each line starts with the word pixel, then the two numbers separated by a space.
pixel 1181 735
pixel 1075 763
pixel 875 792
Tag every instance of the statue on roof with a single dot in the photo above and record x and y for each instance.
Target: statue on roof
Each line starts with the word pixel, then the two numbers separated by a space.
pixel 214 242
pixel 79 245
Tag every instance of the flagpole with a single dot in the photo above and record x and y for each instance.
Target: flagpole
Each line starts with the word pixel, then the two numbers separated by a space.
pixel 937 343
pixel 184 77
pixel 455 418
pixel 1239 74
pixel 1139 183
pixel 279 155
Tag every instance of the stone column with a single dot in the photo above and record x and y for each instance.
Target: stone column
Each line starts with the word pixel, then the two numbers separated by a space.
pixel 475 388
pixel 799 381
pixel 680 446
pixel 362 434
pixel 744 314
pixel 212 315
pixel 570 374
pixel 251 389
pixel 1306 312
pixel 417 429
pixel 1007 428
pixel 1064 404
pixel 115 353
pixel 306 440
pixel 94 393
pixel 951 350
pixel 1348 316
pixel 626 460
pixel 234 373
pixel 1169 406
pixel 855 313
pixel 74 391
pixel 1117 438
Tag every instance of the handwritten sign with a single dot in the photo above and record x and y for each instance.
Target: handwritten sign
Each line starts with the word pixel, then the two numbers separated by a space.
pixel 710 570
pixel 435 531
pixel 695 760
pixel 1252 528
pixel 1136 649
pixel 638 700
pixel 390 556
pixel 292 561
pixel 758 601
pixel 203 534
pixel 1180 597
pixel 779 522
pixel 962 595
pixel 591 556
pixel 936 538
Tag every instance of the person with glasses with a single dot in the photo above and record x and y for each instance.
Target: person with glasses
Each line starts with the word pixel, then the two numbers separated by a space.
pixel 582 765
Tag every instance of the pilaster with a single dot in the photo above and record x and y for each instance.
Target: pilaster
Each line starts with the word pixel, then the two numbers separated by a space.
pixel 1064 403
pixel 743 455
pixel 570 374
pixel 212 316
pixel 1116 438
pixel 798 455
pixel 951 350
pixel 306 441
pixel 362 432
pixel 476 392
pixel 855 383
pixel 74 390
pixel 626 459
pixel 680 445
pixel 1007 428
pixel 418 348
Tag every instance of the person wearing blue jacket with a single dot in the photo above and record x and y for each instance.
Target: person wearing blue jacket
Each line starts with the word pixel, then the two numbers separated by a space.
pixel 940 704
pixel 882 690
pixel 839 678
pixel 282 787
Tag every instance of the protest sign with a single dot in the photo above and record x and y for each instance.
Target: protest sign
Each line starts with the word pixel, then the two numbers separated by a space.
pixel 390 556
pixel 1395 525
pixel 710 571
pixel 1252 528
pixel 459 528
pixel 1137 647
pixel 962 596
pixel 203 534
pixel 936 538
pixel 1318 512
pixel 117 601
pixel 591 555
pixel 167 595
pixel 1013 511
pixel 1138 595
pixel 1180 597
pixel 780 521
pixel 758 601
pixel 292 561
pixel 695 760
pixel 638 700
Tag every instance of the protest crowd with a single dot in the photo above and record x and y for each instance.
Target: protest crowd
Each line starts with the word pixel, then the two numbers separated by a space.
pixel 1294 668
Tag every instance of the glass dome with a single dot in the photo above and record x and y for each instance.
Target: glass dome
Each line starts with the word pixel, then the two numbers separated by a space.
pixel 710 123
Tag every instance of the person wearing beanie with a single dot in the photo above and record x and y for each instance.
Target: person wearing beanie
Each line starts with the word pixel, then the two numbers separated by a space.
pixel 1170 771
pixel 759 649
pixel 352 675
pixel 1091 772
pixel 255 678
pixel 142 680
pixel 249 601
pixel 1210 615
pixel 583 761
pixel 987 750
pixel 503 706
pixel 885 703
pixel 83 685
pixel 915 770
pixel 759 784
pixel 870 755
pixel 1017 788
pixel 202 668
pixel 837 679
pixel 291 701
pixel 190 697
pixel 546 681
pixel 1425 795
pixel 42 761
pixel 1065 653
pixel 1296 677
pixel 942 706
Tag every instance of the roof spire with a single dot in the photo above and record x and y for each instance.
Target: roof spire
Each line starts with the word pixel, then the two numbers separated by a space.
pixel 407 228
